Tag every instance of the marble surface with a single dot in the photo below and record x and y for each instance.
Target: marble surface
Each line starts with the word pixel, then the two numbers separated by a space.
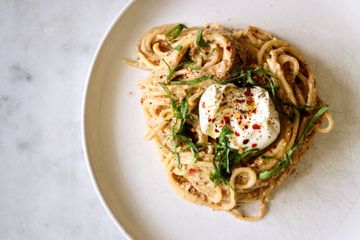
pixel 45 52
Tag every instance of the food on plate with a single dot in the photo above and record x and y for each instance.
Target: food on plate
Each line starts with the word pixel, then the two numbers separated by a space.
pixel 231 110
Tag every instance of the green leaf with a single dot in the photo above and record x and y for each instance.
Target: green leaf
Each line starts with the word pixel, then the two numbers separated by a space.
pixel 166 89
pixel 225 158
pixel 175 31
pixel 189 144
pixel 171 71
pixel 183 108
pixel 288 155
pixel 177 136
pixel 312 121
pixel 249 79
pixel 200 42
pixel 178 48
pixel 266 174
pixel 298 107
pixel 192 66
pixel 193 81
pixel 223 139
pixel 242 157
pixel 245 78
pixel 173 105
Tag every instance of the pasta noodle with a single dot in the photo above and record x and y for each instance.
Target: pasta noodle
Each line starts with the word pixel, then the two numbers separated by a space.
pixel 183 63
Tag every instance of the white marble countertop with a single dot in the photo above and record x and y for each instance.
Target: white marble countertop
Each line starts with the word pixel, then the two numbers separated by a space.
pixel 45 52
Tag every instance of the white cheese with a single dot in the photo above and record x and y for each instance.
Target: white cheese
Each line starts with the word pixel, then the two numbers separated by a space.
pixel 249 112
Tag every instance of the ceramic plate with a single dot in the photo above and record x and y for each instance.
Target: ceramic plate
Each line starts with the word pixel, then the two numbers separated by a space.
pixel 321 201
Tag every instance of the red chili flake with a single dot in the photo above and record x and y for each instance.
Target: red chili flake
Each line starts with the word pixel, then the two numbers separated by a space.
pixel 213 120
pixel 246 141
pixel 250 101
pixel 203 104
pixel 253 145
pixel 248 92
pixel 246 126
pixel 239 100
pixel 256 126
pixel 228 47
pixel 162 48
pixel 227 120
pixel 142 100
pixel 216 130
pixel 237 134
pixel 182 143
pixel 192 170
pixel 254 111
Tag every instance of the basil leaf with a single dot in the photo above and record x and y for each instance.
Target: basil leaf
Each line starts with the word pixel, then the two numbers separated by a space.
pixel 287 159
pixel 189 144
pixel 199 41
pixel 176 135
pixel 173 104
pixel 193 81
pixel 225 157
pixel 175 31
pixel 192 66
pixel 171 71
pixel 178 48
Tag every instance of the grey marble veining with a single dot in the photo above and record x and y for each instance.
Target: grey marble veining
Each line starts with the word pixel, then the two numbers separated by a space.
pixel 45 52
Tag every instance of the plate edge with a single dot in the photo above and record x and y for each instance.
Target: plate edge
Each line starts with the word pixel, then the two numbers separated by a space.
pixel 83 118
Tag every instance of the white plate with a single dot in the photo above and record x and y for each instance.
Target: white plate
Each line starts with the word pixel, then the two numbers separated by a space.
pixel 322 202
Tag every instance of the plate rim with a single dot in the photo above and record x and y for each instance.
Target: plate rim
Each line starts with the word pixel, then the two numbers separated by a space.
pixel 84 104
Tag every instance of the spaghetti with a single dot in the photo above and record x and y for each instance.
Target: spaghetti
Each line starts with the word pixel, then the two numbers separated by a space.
pixel 184 61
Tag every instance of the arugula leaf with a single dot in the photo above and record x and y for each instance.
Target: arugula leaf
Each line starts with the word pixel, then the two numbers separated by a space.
pixel 192 65
pixel 245 78
pixel 177 130
pixel 169 47
pixel 225 157
pixel 193 81
pixel 313 120
pixel 298 107
pixel 173 105
pixel 171 71
pixel 178 48
pixel 175 31
pixel 244 155
pixel 242 77
pixel 199 41
pixel 287 159
pixel 249 80
pixel 264 157
pixel 189 144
